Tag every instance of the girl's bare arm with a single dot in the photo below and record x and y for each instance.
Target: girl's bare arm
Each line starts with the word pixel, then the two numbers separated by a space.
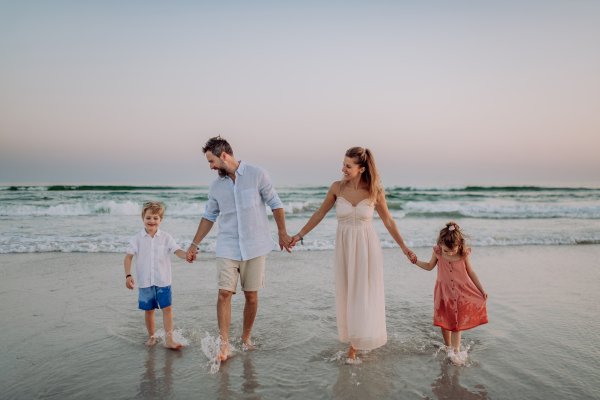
pixel 475 278
pixel 430 265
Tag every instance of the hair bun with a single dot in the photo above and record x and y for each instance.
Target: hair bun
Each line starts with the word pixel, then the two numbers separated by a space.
pixel 452 226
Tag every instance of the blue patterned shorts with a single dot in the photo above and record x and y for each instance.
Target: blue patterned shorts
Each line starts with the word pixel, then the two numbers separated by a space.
pixel 154 297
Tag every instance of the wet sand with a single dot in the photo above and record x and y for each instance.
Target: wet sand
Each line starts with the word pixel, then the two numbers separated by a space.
pixel 71 329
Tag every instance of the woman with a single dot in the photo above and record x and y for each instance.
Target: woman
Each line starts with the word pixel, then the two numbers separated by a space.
pixel 358 263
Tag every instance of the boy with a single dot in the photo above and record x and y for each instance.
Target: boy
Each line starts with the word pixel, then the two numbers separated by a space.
pixel 153 269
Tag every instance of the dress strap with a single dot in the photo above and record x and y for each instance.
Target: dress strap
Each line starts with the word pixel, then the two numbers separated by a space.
pixel 436 250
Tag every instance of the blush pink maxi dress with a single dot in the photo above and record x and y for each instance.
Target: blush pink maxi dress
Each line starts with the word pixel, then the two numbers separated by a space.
pixel 458 304
pixel 358 270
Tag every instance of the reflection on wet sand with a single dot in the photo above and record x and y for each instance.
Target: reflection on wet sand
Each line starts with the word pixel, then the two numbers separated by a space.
pixel 448 387
pixel 249 375
pixel 150 385
pixel 361 383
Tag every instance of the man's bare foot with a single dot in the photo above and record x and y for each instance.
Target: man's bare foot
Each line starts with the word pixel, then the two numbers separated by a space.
pixel 352 353
pixel 224 353
pixel 247 344
pixel 150 342
pixel 171 344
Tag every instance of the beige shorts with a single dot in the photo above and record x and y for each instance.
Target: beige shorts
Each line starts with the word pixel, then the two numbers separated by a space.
pixel 251 273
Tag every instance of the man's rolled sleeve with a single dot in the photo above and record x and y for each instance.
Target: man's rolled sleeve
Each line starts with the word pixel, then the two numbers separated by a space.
pixel 268 193
pixel 212 209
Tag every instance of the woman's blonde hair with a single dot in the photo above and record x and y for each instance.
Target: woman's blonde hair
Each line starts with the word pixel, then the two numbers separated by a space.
pixel 364 158
pixel 154 208
pixel 451 236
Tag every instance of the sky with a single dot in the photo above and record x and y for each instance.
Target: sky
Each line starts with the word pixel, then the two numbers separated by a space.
pixel 461 91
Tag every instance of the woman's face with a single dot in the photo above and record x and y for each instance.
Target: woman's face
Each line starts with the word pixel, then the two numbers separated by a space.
pixel 351 170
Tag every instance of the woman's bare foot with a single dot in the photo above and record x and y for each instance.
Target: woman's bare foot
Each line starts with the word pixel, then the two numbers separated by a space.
pixel 224 353
pixel 352 353
pixel 150 342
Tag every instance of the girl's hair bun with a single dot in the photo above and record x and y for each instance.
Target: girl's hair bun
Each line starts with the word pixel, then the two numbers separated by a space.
pixel 452 226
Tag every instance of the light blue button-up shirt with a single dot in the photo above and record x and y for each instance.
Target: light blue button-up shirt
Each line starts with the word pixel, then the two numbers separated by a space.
pixel 244 231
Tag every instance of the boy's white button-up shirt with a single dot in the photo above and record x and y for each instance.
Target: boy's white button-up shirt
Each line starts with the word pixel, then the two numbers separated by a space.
pixel 244 231
pixel 153 267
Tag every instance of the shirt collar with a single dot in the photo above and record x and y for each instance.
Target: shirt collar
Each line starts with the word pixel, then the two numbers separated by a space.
pixel 144 233
pixel 239 171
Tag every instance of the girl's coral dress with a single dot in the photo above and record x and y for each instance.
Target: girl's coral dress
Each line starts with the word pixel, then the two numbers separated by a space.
pixel 458 304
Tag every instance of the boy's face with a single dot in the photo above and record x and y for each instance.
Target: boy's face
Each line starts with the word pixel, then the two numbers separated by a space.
pixel 152 221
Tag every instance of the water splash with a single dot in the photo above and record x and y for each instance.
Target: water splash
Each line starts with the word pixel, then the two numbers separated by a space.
pixel 177 336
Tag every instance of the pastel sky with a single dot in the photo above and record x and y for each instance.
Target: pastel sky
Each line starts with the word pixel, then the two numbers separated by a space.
pixel 440 91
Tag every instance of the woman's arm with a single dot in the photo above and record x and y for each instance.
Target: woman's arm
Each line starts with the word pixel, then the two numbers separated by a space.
pixel 475 278
pixel 318 216
pixel 430 265
pixel 391 226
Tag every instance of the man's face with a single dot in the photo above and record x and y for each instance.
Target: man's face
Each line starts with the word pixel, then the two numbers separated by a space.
pixel 216 164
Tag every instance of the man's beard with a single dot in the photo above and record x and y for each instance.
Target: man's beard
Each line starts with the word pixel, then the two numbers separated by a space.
pixel 221 170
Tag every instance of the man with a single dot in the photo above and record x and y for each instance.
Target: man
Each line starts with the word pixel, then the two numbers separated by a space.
pixel 239 194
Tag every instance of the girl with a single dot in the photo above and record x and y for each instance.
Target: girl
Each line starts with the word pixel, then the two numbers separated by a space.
pixel 459 297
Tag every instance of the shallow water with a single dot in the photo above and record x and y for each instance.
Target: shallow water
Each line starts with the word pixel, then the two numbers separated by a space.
pixel 71 330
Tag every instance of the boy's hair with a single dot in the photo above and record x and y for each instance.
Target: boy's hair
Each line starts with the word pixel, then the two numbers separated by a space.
pixel 154 207
pixel 217 145
pixel 451 236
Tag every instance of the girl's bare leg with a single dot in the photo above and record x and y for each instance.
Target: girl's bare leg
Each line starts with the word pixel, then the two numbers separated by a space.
pixel 455 341
pixel 446 335
pixel 149 317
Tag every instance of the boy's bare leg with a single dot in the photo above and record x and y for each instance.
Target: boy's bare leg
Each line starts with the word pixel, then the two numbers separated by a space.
pixel 446 334
pixel 149 317
pixel 224 318
pixel 250 310
pixel 168 322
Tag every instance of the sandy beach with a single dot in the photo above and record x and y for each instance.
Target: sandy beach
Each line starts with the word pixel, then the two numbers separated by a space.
pixel 72 330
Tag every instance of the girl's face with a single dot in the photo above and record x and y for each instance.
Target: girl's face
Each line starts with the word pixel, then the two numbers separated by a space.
pixel 449 251
pixel 152 221
pixel 351 170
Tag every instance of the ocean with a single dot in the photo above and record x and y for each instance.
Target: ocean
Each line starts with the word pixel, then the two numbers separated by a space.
pixel 102 218
pixel 72 330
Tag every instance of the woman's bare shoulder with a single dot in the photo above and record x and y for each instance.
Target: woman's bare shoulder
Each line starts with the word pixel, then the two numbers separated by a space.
pixel 335 187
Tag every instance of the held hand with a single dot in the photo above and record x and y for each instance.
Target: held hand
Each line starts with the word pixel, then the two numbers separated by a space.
pixel 412 257
pixel 295 239
pixel 192 254
pixel 129 282
pixel 285 241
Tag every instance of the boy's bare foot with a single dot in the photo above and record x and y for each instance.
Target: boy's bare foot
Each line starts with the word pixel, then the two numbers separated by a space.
pixel 171 344
pixel 224 353
pixel 150 342
pixel 352 353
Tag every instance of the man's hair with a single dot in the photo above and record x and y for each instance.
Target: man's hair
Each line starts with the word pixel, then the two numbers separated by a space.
pixel 217 145
pixel 154 208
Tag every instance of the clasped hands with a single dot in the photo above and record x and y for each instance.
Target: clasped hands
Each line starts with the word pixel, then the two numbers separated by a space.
pixel 288 242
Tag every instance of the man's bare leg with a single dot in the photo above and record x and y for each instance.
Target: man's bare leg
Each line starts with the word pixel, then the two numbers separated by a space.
pixel 249 315
pixel 224 318
pixel 149 317
pixel 352 353
pixel 168 322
